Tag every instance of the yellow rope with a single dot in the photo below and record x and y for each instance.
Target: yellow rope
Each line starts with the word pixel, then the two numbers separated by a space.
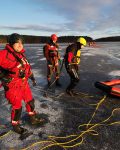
pixel 5 134
pixel 97 107
pixel 79 139
pixel 34 144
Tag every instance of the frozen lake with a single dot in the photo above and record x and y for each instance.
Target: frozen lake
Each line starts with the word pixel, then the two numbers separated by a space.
pixel 66 114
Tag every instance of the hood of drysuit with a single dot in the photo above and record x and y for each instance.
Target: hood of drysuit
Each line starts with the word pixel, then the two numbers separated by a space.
pixel 8 47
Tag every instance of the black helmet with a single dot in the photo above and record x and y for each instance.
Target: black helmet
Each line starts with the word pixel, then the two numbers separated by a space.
pixel 13 38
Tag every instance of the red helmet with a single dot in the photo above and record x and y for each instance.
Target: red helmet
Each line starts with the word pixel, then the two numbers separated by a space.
pixel 54 37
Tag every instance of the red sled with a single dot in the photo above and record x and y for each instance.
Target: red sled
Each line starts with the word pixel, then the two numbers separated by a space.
pixel 110 87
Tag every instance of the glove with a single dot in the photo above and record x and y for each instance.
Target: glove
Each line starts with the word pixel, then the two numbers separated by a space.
pixel 34 82
pixel 69 67
pixel 6 80
pixel 1 75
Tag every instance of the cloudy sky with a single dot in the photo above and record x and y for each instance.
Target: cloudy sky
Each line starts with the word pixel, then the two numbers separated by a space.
pixel 95 18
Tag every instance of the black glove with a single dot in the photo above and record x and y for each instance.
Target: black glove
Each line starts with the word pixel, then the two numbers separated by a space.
pixel 69 67
pixel 1 75
pixel 6 80
pixel 33 80
pixel 6 71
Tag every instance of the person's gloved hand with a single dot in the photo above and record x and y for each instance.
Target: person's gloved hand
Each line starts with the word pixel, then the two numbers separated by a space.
pixel 34 82
pixel 6 80
pixel 69 67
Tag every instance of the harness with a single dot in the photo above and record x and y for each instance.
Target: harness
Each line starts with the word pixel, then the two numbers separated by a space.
pixel 75 49
pixel 51 53
pixel 17 58
pixel 76 58
pixel 21 61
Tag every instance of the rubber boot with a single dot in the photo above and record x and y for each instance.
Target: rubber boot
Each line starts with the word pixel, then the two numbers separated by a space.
pixel 34 120
pixel 15 117
pixel 18 129
pixel 58 83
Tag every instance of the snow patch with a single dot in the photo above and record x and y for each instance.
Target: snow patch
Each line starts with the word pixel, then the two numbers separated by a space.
pixel 88 54
pixel 43 59
pixel 115 73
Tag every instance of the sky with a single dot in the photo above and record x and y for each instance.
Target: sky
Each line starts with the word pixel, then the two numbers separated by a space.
pixel 94 18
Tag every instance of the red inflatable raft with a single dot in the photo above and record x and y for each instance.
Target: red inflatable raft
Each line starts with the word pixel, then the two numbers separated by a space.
pixel 111 87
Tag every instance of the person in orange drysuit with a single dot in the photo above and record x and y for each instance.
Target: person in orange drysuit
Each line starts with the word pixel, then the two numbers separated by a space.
pixel 14 74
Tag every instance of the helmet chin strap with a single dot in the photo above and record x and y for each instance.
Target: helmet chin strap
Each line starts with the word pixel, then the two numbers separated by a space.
pixel 82 46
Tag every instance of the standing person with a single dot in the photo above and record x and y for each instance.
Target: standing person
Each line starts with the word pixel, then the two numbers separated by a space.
pixel 72 60
pixel 14 74
pixel 51 53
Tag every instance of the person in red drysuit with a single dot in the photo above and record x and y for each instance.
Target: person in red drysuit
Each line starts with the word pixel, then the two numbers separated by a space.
pixel 51 53
pixel 14 74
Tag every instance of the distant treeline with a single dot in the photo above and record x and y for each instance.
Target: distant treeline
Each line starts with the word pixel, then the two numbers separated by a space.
pixel 109 39
pixel 44 39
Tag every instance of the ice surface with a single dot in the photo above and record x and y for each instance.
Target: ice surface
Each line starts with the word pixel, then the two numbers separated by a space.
pixel 96 64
